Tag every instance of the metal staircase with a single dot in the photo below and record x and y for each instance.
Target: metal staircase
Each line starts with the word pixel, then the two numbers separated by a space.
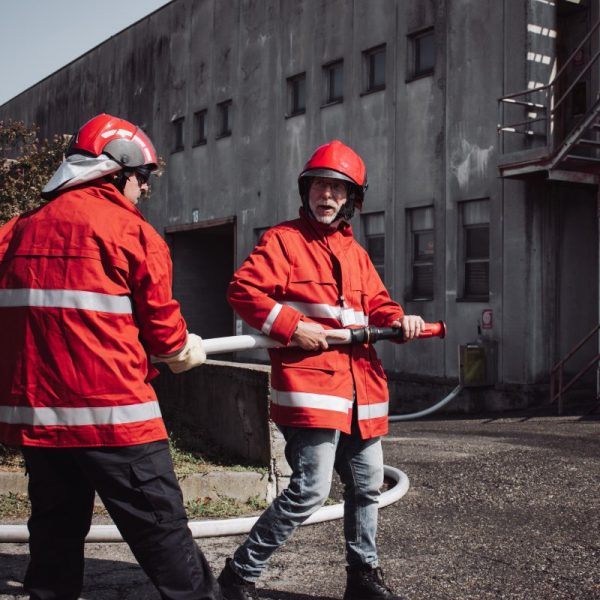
pixel 538 115
pixel 558 387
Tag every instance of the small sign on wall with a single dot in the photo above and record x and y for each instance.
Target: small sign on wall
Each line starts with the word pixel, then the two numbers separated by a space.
pixel 487 319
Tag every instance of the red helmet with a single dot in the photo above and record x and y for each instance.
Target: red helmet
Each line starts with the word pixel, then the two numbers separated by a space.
pixel 121 140
pixel 338 161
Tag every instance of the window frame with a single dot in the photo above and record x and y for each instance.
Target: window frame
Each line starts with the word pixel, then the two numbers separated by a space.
pixel 224 108
pixel 369 86
pixel 293 108
pixel 328 71
pixel 364 219
pixel 419 261
pixel 465 260
pixel 178 129
pixel 198 139
pixel 258 232
pixel 413 53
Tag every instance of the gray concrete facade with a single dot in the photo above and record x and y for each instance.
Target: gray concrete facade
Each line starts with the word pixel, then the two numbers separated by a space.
pixel 428 141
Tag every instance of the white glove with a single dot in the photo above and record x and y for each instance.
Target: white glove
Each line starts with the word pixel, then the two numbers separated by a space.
pixel 190 356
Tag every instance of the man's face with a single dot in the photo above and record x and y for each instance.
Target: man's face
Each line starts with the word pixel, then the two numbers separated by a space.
pixel 325 198
pixel 134 187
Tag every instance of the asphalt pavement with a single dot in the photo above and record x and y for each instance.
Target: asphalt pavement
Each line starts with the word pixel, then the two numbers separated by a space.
pixel 498 508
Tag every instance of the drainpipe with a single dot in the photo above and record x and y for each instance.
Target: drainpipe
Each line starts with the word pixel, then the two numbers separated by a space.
pixel 598 221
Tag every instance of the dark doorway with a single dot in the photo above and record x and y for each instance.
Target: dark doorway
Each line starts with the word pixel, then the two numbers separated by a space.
pixel 573 24
pixel 203 262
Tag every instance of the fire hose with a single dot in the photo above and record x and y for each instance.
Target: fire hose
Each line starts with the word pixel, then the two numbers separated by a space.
pixel 17 534
pixel 360 335
pixel 224 527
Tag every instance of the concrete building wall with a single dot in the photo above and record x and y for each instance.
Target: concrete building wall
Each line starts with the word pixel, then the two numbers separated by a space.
pixel 427 141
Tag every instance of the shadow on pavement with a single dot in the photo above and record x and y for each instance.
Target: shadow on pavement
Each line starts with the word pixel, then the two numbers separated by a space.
pixel 12 574
pixel 276 595
pixel 104 577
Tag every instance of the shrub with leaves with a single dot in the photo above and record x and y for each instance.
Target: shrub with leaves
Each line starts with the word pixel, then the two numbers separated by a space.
pixel 26 165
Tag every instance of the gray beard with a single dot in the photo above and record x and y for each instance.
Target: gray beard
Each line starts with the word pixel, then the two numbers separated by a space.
pixel 326 220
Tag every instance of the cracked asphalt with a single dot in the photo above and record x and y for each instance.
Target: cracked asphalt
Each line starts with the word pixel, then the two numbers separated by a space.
pixel 498 508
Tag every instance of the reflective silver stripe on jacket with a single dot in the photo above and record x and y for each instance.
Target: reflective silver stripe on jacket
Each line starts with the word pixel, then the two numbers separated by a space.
pixel 266 328
pixel 326 311
pixel 70 417
pixel 372 411
pixel 307 400
pixel 66 299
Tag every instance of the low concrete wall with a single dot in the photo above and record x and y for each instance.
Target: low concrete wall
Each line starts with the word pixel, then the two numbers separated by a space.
pixel 222 405
pixel 226 403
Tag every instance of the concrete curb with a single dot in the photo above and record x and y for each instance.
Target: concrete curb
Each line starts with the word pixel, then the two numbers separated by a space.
pixel 237 485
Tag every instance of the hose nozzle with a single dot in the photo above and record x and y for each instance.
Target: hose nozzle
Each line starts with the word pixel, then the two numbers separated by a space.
pixel 371 334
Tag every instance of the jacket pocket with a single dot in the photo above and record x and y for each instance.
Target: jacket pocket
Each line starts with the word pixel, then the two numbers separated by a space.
pixel 311 274
pixel 295 358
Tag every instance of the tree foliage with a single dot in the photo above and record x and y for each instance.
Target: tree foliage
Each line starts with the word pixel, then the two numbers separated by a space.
pixel 26 165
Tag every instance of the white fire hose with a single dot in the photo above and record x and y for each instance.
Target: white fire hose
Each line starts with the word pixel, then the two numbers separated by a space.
pixel 361 335
pixel 235 526
pixel 18 534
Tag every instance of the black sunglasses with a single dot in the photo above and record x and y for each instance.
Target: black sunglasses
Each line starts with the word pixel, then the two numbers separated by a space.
pixel 142 175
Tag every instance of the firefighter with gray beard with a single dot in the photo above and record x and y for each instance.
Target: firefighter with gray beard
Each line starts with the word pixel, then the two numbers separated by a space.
pixel 304 277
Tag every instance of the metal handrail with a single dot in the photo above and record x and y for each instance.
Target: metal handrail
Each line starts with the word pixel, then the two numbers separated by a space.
pixel 561 70
pixel 557 370
pixel 548 88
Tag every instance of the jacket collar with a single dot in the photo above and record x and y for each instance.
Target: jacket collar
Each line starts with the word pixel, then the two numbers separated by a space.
pixel 107 191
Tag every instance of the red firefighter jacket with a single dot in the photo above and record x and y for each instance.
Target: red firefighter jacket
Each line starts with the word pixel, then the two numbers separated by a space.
pixel 302 270
pixel 85 296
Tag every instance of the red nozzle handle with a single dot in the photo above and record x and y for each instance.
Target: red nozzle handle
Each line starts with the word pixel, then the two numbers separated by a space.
pixel 437 329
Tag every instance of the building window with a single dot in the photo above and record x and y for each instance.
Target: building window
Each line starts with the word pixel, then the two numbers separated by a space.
pixel 178 134
pixel 421 53
pixel 200 127
pixel 475 241
pixel 224 112
pixel 334 81
pixel 374 66
pixel 374 234
pixel 421 252
pixel 297 94
pixel 258 233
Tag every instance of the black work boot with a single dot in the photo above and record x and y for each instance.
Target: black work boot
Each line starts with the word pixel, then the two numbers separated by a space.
pixel 366 583
pixel 235 587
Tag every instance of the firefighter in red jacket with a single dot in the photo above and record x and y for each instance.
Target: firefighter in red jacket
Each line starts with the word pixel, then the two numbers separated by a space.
pixel 331 403
pixel 85 299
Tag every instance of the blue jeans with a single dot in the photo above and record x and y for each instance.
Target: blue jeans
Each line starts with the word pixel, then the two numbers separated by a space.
pixel 313 454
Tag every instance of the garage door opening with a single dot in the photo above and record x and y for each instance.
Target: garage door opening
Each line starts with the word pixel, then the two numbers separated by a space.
pixel 203 264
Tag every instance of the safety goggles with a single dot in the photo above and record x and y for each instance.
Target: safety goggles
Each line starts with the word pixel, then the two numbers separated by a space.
pixel 142 174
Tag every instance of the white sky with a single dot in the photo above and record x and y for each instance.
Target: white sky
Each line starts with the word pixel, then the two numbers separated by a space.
pixel 38 37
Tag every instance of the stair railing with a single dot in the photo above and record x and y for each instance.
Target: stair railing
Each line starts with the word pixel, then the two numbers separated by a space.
pixel 547 106
pixel 557 384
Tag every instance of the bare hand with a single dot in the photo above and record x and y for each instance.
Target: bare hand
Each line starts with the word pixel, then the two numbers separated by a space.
pixel 310 336
pixel 411 325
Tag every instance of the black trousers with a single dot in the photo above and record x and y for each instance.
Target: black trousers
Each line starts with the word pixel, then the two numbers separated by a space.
pixel 139 489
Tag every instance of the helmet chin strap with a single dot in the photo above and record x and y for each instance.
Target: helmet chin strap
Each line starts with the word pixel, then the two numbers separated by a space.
pixel 347 210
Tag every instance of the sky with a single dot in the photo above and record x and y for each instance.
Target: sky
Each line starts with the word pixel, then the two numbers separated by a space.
pixel 38 37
